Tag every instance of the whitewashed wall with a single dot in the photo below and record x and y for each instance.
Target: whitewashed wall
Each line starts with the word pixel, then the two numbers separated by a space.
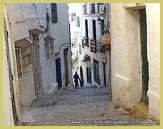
pixel 126 75
pixel 23 18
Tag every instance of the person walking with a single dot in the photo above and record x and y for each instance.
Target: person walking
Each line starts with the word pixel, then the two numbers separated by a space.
pixel 76 78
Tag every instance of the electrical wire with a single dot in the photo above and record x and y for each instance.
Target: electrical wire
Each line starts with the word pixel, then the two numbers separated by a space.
pixel 37 15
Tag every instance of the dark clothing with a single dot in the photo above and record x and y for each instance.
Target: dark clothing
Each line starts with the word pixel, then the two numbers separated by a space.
pixel 76 77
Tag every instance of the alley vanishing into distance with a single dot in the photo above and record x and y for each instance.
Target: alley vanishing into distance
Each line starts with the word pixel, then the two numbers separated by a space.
pixel 76 107
pixel 80 64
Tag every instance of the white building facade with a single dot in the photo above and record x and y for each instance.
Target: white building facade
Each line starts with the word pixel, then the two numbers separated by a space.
pixel 93 59
pixel 40 44
pixel 75 13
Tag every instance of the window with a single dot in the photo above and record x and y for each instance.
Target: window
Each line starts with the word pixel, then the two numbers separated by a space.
pixel 77 21
pixel 100 5
pixel 94 29
pixel 49 48
pixel 18 60
pixel 33 37
pixel 102 49
pixel 86 39
pixel 102 27
pixel 34 34
pixel 26 56
pixel 104 70
pixel 89 80
pixel 23 59
pixel 86 28
pixel 84 9
pixel 80 51
pixel 23 50
pixel 92 8
pixel 54 13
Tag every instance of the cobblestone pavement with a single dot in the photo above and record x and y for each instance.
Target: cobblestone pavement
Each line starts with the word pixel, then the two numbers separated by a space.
pixel 74 96
pixel 76 107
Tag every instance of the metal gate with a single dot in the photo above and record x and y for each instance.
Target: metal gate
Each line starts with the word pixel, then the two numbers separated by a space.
pixel 37 69
pixel 15 117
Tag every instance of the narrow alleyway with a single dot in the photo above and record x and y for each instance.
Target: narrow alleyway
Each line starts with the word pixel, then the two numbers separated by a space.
pixel 74 106
pixel 109 49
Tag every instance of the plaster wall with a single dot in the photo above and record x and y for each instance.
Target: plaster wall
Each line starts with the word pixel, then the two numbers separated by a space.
pixel 153 48
pixel 7 105
pixel 13 68
pixel 126 70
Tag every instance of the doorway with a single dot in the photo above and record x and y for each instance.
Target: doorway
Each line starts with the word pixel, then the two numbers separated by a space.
pixel 58 72
pixel 81 72
pixel 145 72
pixel 66 66
pixel 96 72
pixel 104 70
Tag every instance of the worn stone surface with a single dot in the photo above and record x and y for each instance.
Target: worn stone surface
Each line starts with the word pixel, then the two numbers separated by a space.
pixel 81 107
pixel 73 96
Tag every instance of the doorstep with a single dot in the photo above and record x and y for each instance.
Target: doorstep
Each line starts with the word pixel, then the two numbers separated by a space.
pixel 141 109
pixel 51 89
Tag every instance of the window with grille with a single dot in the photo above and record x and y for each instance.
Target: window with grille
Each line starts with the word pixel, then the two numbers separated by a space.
pixel 18 60
pixel 33 37
pixel 23 59
pixel 49 49
pixel 54 13
pixel 77 21
pixel 26 56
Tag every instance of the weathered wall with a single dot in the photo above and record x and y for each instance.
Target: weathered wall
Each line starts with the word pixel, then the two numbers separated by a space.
pixel 20 23
pixel 153 48
pixel 27 89
pixel 16 89
pixel 126 58
pixel 7 105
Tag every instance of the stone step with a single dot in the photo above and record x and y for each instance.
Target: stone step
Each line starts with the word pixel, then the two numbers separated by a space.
pixel 141 109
